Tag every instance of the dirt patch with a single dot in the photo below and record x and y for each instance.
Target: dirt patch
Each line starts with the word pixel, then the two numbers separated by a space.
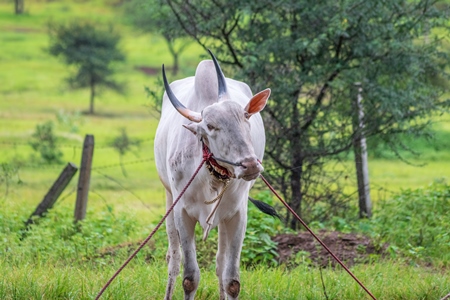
pixel 293 249
pixel 21 29
pixel 111 252
pixel 350 248
pixel 150 71
pixel 147 70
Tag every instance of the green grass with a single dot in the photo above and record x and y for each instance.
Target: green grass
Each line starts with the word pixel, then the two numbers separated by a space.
pixel 34 91
pixel 141 280
pixel 45 266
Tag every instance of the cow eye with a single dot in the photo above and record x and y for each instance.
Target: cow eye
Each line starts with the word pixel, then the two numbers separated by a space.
pixel 210 127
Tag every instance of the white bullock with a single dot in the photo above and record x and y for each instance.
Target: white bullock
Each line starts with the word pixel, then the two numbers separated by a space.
pixel 222 115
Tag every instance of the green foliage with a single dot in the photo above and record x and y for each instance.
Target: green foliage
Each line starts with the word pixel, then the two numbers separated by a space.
pixel 311 54
pixel 156 94
pixel 93 52
pixel 155 16
pixel 9 172
pixel 106 236
pixel 412 225
pixel 143 280
pixel 55 236
pixel 123 144
pixel 30 94
pixel 430 147
pixel 258 247
pixel 416 223
pixel 71 121
pixel 45 142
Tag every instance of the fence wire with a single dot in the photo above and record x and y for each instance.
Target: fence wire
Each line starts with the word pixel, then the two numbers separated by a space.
pixel 79 146
pixel 96 170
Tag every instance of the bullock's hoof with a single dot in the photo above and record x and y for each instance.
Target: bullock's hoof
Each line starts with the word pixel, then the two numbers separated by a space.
pixel 233 288
pixel 188 285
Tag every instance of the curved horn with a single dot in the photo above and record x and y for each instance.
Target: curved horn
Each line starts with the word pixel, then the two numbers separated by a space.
pixel 185 112
pixel 223 93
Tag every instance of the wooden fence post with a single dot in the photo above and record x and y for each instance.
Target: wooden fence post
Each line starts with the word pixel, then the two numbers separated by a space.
pixel 361 161
pixel 55 191
pixel 84 178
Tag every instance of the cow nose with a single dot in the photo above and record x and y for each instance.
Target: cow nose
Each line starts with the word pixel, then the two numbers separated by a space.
pixel 250 168
pixel 249 163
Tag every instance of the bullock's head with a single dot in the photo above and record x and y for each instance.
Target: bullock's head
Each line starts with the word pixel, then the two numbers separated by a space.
pixel 224 127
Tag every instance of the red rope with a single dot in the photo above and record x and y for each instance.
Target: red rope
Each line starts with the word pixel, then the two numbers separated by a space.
pixel 206 156
pixel 316 237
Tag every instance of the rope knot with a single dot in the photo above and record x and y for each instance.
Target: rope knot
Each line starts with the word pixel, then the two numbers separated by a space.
pixel 206 153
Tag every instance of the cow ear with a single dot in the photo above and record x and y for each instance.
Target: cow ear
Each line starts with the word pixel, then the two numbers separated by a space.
pixel 257 103
pixel 191 127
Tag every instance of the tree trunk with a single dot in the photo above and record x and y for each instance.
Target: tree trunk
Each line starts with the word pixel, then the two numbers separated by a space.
pixel 174 54
pixel 361 161
pixel 296 189
pixel 91 104
pixel 296 162
pixel 19 6
pixel 176 64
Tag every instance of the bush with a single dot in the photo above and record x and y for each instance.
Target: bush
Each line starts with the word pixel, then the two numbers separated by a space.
pixel 44 141
pixel 106 236
pixel 416 224
pixel 258 246
pixel 55 236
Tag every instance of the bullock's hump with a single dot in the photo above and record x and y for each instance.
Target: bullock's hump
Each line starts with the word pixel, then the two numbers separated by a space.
pixel 206 86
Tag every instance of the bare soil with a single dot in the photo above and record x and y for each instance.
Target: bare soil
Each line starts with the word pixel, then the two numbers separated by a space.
pixel 148 70
pixel 348 247
pixel 294 249
pixel 151 71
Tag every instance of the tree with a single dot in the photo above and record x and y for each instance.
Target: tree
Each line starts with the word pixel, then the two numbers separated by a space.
pixel 19 6
pixel 311 53
pixel 93 51
pixel 155 16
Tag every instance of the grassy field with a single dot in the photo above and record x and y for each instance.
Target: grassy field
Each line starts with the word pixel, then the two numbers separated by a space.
pixel 141 281
pixel 131 198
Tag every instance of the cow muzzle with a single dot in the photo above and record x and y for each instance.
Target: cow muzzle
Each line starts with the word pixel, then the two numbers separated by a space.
pixel 249 169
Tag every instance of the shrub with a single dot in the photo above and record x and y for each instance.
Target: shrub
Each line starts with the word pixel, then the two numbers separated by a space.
pixel 124 144
pixel 55 236
pixel 416 223
pixel 71 121
pixel 44 141
pixel 258 246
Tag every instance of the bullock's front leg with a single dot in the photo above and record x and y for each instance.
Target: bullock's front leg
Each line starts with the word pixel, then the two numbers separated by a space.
pixel 231 237
pixel 191 272
pixel 173 256
pixel 220 259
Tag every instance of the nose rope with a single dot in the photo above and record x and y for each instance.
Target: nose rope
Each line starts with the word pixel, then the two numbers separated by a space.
pixel 206 150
